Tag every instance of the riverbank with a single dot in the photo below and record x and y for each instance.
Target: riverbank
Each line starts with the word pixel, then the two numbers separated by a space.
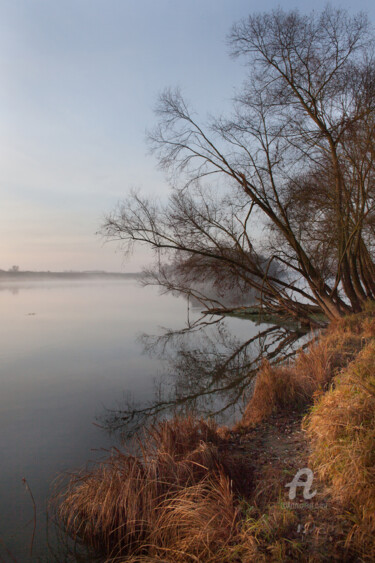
pixel 198 492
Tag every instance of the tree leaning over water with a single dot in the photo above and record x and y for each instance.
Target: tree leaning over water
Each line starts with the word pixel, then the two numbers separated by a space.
pixel 279 197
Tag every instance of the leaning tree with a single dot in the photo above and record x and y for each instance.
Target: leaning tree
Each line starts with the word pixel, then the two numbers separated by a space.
pixel 279 196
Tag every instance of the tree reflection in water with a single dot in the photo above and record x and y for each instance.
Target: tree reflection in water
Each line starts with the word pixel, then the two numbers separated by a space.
pixel 210 371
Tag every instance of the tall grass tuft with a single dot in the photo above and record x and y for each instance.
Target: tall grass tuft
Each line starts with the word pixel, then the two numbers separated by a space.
pixel 174 501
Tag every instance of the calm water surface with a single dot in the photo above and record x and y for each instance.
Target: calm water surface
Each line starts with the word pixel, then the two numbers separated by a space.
pixel 67 351
pixel 70 351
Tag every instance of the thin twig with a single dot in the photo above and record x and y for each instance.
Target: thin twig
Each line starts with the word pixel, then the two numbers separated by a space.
pixel 34 506
pixel 8 552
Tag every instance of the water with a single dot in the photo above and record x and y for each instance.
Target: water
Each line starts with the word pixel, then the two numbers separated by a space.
pixel 67 351
pixel 71 351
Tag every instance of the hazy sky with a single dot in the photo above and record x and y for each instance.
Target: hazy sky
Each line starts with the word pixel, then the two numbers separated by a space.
pixel 79 80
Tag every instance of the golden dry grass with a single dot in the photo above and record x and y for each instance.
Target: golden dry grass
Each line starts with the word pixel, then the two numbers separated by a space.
pixel 276 389
pixel 294 385
pixel 337 373
pixel 341 428
pixel 175 502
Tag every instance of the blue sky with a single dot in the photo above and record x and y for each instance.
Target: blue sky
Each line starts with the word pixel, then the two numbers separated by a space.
pixel 79 82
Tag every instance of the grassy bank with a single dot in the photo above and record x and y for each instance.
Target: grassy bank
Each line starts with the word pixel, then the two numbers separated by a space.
pixel 197 492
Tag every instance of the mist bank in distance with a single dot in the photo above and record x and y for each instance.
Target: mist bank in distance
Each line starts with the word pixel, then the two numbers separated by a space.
pixel 17 275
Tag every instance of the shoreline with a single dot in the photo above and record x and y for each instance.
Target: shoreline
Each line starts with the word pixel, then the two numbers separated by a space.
pixel 30 275
pixel 207 493
pixel 258 316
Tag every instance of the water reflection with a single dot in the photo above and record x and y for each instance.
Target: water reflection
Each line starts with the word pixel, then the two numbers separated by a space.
pixel 68 350
pixel 209 370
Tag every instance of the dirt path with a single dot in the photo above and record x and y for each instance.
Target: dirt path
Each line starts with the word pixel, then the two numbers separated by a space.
pixel 279 440
pixel 276 449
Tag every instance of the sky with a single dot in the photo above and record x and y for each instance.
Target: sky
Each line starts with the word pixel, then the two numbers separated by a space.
pixel 79 81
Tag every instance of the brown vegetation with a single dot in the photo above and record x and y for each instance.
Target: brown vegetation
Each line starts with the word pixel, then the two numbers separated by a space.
pixel 195 494
pixel 175 500
pixel 341 428
pixel 296 384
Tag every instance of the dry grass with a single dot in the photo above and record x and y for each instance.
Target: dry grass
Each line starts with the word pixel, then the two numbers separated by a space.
pixel 337 373
pixel 176 501
pixel 291 386
pixel 295 385
pixel 276 389
pixel 187 498
pixel 265 535
pixel 341 428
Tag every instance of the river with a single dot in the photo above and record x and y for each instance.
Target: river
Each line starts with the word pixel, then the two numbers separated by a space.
pixel 73 355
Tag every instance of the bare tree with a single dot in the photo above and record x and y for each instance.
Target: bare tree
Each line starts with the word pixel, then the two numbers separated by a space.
pixel 295 159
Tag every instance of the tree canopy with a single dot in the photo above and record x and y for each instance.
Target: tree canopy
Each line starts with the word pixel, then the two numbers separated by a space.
pixel 278 196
